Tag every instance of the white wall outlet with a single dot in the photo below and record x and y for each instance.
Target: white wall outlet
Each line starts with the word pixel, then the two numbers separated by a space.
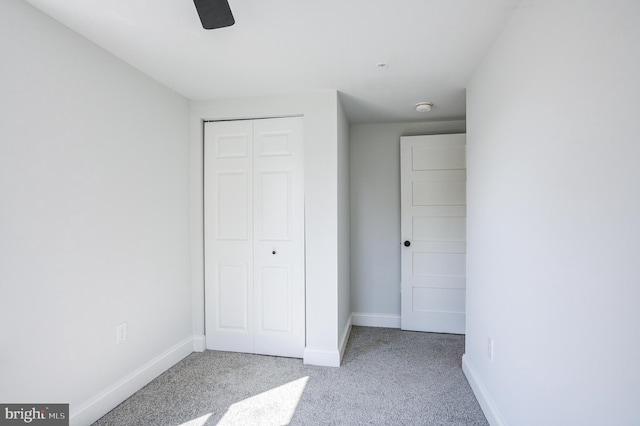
pixel 490 348
pixel 121 333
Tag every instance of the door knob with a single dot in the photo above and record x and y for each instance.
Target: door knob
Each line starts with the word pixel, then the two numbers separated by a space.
pixel 407 243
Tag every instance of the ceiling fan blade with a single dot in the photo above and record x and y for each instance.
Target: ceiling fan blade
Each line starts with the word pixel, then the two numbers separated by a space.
pixel 214 13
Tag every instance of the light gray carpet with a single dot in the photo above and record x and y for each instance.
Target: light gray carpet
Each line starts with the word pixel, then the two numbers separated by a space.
pixel 387 377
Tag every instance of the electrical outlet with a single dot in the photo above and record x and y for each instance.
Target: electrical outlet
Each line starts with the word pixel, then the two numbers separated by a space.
pixel 490 348
pixel 121 333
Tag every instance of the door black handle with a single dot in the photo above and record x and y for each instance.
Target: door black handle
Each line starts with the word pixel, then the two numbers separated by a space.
pixel 407 243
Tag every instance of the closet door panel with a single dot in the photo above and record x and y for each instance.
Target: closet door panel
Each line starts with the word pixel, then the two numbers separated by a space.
pixel 228 210
pixel 273 210
pixel 279 237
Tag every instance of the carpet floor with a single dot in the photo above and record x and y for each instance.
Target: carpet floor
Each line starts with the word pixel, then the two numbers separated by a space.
pixel 387 377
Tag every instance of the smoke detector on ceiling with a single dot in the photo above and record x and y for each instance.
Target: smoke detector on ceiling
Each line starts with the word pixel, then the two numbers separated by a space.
pixel 424 106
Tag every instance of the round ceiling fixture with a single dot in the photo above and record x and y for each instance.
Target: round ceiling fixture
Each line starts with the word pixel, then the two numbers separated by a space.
pixel 424 106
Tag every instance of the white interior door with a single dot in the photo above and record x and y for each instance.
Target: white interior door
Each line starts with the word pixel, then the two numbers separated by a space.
pixel 433 198
pixel 254 236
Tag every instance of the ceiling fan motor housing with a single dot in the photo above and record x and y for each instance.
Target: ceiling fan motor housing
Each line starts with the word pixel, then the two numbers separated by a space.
pixel 214 13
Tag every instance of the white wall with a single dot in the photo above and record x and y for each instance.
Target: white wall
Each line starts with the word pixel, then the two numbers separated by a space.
pixel 344 235
pixel 375 217
pixel 321 207
pixel 93 219
pixel 553 217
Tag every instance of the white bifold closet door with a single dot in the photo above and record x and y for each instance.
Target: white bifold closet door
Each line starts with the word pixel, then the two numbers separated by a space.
pixel 254 236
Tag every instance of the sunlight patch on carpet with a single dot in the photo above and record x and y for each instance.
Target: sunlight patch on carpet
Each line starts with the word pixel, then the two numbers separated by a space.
pixel 273 407
pixel 200 421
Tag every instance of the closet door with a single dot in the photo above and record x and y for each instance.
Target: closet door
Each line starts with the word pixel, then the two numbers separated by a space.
pixel 254 236
pixel 279 298
pixel 228 235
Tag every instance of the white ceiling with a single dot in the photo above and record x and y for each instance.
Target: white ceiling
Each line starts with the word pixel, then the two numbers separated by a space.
pixel 430 47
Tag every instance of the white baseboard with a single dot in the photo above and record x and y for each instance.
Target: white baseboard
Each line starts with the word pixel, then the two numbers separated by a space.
pixel 484 399
pixel 199 343
pixel 328 357
pixel 375 320
pixel 321 357
pixel 345 337
pixel 105 401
